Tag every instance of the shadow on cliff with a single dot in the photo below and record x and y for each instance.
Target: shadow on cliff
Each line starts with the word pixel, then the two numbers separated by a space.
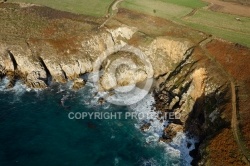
pixel 206 120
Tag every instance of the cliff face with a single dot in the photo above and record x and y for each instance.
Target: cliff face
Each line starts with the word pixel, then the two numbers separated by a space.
pixel 37 61
pixel 56 48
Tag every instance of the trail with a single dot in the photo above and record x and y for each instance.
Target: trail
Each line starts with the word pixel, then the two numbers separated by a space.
pixel 112 11
pixel 235 125
pixel 234 120
pixel 191 13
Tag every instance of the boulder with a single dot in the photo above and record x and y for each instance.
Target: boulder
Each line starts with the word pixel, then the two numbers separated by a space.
pixel 171 130
pixel 145 127
pixel 78 84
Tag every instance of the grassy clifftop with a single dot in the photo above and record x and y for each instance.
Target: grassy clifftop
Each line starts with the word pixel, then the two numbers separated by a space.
pixel 94 7
pixel 194 14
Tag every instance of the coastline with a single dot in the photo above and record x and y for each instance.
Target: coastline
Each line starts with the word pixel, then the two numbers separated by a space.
pixel 186 82
pixel 177 149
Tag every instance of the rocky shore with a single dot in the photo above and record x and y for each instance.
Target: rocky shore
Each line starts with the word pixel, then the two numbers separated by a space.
pixel 59 47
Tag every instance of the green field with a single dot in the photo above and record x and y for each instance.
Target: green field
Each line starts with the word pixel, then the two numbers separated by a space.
pixel 221 20
pixel 188 3
pixel 232 36
pixel 157 8
pixel 89 7
pixel 221 25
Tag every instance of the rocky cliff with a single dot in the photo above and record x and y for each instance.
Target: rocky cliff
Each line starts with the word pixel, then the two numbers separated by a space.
pixel 38 61
pixel 57 48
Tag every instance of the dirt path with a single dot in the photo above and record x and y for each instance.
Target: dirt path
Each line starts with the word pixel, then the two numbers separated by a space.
pixel 234 121
pixel 228 7
pixel 235 125
pixel 113 9
pixel 191 13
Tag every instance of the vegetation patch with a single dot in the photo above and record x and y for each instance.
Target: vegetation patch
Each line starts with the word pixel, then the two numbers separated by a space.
pixel 188 3
pixel 190 13
pixel 221 20
pixel 96 8
pixel 157 8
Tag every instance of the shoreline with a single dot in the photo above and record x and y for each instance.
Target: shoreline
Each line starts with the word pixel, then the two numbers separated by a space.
pixel 179 146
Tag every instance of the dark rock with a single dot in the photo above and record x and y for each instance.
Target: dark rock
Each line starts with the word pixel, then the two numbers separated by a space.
pixel 101 100
pixel 171 130
pixel 145 127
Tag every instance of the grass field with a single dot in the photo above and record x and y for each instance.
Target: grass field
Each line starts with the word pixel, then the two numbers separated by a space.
pixel 89 7
pixel 221 20
pixel 188 3
pixel 232 36
pixel 157 8
pixel 221 25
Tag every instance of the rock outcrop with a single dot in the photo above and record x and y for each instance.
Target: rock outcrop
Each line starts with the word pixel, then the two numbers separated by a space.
pixel 178 87
pixel 181 86
pixel 170 132
pixel 188 93
pixel 38 61
pixel 78 84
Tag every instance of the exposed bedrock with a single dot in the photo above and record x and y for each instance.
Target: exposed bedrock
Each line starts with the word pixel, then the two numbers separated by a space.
pixel 181 85
pixel 17 61
pixel 192 99
pixel 37 62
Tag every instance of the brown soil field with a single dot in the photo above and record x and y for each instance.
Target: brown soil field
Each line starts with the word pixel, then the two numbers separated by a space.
pixel 223 142
pixel 234 58
pixel 229 7
pixel 224 150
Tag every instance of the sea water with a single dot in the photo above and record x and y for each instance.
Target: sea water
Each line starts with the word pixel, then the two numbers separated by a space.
pixel 35 130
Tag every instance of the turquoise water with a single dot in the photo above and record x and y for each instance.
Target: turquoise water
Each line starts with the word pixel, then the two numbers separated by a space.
pixel 35 131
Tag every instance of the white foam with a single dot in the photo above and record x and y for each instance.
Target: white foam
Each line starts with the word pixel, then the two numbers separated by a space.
pixel 180 143
pixel 145 107
pixel 19 89
pixel 90 97
pixel 177 150
pixel 3 83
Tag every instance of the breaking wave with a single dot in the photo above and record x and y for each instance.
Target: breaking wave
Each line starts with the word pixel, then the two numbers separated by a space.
pixel 177 151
